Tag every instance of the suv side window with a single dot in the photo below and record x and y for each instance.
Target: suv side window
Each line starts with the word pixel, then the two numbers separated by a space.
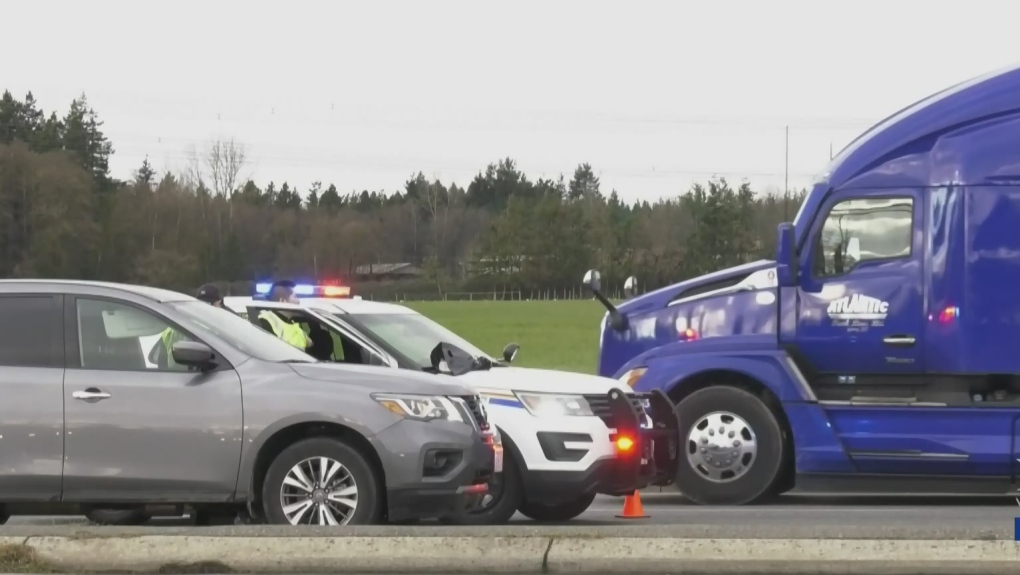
pixel 863 229
pixel 120 337
pixel 32 334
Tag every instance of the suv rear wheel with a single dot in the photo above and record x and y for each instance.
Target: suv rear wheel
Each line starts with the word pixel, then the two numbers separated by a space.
pixel 321 481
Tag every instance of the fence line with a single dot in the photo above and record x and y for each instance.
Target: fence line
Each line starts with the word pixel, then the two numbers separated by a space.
pixel 497 295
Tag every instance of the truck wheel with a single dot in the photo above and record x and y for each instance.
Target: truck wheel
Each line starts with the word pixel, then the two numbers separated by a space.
pixel 734 447
pixel 321 481
pixel 557 512
pixel 117 516
pixel 506 493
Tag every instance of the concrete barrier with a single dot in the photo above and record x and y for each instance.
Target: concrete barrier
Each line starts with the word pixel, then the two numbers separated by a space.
pixel 625 549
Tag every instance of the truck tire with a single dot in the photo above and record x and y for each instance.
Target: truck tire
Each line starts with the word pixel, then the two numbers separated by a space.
pixel 557 512
pixel 733 447
pixel 117 516
pixel 350 495
pixel 506 496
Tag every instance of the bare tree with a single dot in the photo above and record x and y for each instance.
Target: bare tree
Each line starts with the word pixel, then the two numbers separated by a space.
pixel 192 174
pixel 225 160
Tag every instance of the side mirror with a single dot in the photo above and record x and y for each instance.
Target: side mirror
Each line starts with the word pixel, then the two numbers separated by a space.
pixel 630 286
pixel 510 352
pixel 593 281
pixel 194 354
pixel 457 360
pixel 786 257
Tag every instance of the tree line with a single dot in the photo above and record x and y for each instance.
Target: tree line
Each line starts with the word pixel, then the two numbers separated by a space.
pixel 62 215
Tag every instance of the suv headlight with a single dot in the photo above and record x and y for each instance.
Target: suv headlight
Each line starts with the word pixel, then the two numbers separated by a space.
pixel 553 404
pixel 420 407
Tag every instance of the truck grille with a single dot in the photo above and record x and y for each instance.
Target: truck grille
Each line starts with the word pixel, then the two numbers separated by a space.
pixel 474 406
pixel 599 404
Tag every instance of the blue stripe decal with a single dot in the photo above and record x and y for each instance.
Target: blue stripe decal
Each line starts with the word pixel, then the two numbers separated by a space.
pixel 506 402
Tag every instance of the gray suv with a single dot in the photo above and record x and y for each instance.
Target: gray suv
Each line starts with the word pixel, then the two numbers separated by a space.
pixel 231 418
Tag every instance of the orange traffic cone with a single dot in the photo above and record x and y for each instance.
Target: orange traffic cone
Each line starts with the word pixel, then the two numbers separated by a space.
pixel 632 508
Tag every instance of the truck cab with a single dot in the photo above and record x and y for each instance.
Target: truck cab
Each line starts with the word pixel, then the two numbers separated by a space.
pixel 880 351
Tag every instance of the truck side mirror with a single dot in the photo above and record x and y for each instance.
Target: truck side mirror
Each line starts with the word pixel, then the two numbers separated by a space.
pixel 786 256
pixel 593 281
pixel 630 286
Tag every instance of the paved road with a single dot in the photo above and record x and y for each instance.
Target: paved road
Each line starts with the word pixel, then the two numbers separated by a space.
pixel 791 510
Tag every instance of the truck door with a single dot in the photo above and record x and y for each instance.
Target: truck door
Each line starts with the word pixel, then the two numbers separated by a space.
pixel 860 330
pixel 860 299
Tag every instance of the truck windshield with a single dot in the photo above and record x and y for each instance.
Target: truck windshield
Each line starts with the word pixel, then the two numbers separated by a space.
pixel 241 334
pixel 413 335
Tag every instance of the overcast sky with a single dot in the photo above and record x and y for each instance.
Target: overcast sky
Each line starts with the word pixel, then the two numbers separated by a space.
pixel 654 94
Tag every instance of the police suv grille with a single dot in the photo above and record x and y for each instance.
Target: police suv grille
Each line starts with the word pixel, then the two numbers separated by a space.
pixel 599 404
pixel 474 406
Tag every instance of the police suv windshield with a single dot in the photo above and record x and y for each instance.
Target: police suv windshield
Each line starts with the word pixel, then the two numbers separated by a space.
pixel 241 334
pixel 411 334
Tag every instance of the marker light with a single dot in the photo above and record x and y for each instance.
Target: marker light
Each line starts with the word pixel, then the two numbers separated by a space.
pixel 949 314
pixel 624 444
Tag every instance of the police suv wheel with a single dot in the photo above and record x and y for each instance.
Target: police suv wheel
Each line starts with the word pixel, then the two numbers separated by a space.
pixel 732 447
pixel 321 481
pixel 506 493
pixel 117 516
pixel 558 512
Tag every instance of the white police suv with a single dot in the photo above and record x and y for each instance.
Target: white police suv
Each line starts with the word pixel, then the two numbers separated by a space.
pixel 567 436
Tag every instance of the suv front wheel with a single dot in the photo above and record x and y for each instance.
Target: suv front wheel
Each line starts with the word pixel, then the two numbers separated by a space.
pixel 321 481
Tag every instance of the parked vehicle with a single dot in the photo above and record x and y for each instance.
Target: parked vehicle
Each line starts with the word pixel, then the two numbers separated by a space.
pixel 878 353
pixel 232 417
pixel 567 436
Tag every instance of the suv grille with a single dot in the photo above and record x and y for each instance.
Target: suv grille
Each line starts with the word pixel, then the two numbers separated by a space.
pixel 599 404
pixel 474 405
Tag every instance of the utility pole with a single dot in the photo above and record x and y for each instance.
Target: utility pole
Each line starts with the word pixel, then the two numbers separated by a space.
pixel 786 178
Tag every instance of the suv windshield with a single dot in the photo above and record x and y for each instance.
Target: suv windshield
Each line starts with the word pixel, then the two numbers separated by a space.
pixel 413 335
pixel 241 334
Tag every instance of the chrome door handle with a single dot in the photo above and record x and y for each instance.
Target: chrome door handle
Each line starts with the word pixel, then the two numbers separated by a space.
pixel 900 340
pixel 86 395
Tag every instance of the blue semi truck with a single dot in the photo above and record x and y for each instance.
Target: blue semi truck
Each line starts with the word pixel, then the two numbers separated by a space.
pixel 880 351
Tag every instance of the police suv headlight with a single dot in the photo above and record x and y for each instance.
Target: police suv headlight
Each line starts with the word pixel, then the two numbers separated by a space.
pixel 631 377
pixel 420 407
pixel 553 404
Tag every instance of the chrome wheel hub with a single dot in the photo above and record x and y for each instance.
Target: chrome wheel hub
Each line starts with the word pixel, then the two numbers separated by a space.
pixel 721 446
pixel 319 491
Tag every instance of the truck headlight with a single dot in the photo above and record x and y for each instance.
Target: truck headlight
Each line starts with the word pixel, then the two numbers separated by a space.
pixel 631 377
pixel 420 407
pixel 553 404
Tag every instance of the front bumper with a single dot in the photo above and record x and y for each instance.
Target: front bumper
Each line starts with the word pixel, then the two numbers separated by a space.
pixel 435 469
pixel 650 460
pixel 646 430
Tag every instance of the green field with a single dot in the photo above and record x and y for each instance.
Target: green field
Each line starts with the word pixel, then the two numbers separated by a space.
pixel 552 334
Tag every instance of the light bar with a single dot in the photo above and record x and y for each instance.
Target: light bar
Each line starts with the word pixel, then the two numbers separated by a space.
pixel 308 290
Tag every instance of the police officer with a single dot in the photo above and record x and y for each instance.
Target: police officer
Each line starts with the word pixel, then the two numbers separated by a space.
pixel 288 331
pixel 208 293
